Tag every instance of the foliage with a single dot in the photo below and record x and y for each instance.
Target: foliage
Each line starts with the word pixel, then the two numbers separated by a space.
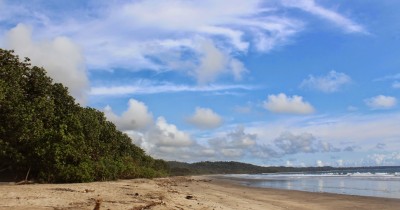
pixel 43 130
pixel 231 167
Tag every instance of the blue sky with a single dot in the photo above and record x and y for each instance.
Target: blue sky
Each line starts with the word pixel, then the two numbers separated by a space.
pixel 273 82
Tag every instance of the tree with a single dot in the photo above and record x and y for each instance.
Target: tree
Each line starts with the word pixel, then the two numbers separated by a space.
pixel 44 131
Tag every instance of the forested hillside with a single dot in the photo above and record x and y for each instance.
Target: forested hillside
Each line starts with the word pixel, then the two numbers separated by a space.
pixel 43 131
pixel 232 167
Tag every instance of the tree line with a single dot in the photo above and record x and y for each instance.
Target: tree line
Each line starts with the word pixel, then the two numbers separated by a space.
pixel 43 131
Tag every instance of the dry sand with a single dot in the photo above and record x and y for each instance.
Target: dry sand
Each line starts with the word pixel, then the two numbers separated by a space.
pixel 200 192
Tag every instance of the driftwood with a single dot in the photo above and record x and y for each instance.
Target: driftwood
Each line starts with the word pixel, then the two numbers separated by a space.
pixel 26 179
pixel 148 206
pixel 24 182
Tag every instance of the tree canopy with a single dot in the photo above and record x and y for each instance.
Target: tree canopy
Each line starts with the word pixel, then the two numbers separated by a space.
pixel 43 130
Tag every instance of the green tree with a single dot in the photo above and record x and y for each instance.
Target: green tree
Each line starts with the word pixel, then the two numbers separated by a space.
pixel 43 130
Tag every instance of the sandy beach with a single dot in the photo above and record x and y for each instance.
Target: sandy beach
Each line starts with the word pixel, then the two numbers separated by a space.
pixel 199 192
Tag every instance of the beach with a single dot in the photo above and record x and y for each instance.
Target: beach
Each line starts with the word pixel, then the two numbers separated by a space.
pixel 196 192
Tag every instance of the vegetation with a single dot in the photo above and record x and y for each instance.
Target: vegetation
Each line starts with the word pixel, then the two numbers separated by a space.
pixel 43 131
pixel 231 167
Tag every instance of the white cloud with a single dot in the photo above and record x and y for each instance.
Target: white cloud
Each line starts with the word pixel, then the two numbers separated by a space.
pixel 292 144
pixel 289 143
pixel 271 141
pixel 231 153
pixel 237 68
pixel 200 38
pixel 205 118
pixel 147 87
pixel 362 131
pixel 243 109
pixel 381 102
pixel 328 83
pixel 164 140
pixel 61 57
pixel 136 117
pixel 339 162
pixel 396 84
pixel 165 134
pixel 285 104
pixel 320 163
pixel 341 21
pixel 213 62
pixel 388 77
pixel 352 108
pixel 236 143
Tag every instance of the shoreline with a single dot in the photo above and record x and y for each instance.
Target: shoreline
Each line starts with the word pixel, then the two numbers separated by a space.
pixel 195 192
pixel 245 182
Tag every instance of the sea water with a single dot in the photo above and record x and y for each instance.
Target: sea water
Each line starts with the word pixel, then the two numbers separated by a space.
pixel 364 182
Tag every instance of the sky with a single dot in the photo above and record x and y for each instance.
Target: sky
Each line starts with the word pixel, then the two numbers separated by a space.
pixel 267 82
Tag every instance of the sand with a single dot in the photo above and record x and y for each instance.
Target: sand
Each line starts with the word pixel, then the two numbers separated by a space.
pixel 199 192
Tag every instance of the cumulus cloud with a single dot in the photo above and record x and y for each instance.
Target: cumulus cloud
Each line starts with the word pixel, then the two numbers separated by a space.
pixel 166 141
pixel 362 131
pixel 319 163
pixel 328 83
pixel 341 21
pixel 205 118
pixel 286 104
pixel 289 143
pixel 160 139
pixel 386 159
pixel 292 144
pixel 168 135
pixel 381 102
pixel 339 162
pixel 136 117
pixel 235 143
pixel 61 57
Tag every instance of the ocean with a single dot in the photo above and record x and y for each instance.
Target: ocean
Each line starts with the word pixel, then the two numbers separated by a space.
pixel 383 182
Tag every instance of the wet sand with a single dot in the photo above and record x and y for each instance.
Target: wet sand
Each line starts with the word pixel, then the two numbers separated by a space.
pixel 199 192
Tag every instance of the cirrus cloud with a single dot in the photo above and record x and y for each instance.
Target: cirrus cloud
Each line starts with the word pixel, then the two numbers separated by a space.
pixel 315 9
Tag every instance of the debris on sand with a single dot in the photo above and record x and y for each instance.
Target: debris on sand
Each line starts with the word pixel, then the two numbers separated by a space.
pixel 98 203
pixel 149 205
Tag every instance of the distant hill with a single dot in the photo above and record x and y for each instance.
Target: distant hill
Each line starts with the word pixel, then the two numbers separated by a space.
pixel 231 167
